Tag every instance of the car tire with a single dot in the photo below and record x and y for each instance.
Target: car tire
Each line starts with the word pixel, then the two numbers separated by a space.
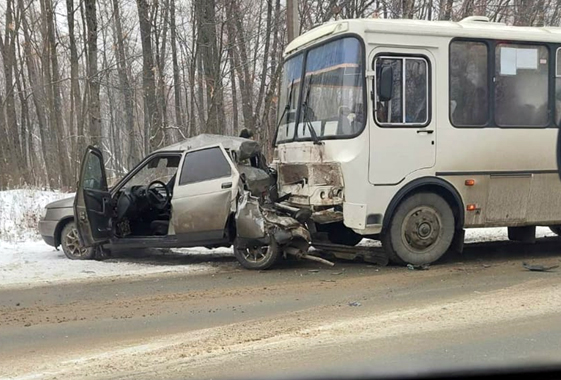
pixel 556 230
pixel 259 258
pixel 420 231
pixel 71 244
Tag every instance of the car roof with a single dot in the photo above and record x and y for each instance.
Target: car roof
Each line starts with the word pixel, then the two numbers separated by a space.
pixel 244 148
pixel 200 141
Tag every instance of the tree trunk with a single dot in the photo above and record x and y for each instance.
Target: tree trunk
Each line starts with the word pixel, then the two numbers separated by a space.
pixel 56 111
pixel 76 116
pixel 94 111
pixel 125 85
pixel 152 121
pixel 210 59
pixel 176 80
pixel 10 139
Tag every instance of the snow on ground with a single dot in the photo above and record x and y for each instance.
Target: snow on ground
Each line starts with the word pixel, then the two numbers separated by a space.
pixel 25 260
pixel 34 263
pixel 20 210
pixel 479 235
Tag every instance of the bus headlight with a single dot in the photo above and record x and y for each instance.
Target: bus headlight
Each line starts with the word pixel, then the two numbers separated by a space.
pixel 337 193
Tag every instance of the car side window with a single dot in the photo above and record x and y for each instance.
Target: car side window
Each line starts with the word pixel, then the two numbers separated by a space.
pixel 204 165
pixel 93 173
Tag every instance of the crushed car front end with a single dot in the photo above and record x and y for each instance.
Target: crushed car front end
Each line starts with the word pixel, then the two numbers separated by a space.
pixel 266 230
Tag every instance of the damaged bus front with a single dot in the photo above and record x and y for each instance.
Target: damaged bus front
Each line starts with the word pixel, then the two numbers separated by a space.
pixel 320 145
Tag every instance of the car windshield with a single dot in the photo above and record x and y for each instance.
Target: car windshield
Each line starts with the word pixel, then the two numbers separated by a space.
pixel 333 94
pixel 157 169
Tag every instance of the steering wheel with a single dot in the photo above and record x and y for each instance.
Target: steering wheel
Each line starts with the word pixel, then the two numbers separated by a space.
pixel 155 198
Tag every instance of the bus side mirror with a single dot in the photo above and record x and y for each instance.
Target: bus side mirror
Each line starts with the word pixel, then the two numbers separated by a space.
pixel 385 91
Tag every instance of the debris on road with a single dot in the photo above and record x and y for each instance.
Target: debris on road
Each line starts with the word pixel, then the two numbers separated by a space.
pixel 373 255
pixel 313 270
pixel 318 259
pixel 538 268
pixel 356 304
pixel 418 267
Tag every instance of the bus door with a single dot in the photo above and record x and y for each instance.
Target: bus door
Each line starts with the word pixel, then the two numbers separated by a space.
pixel 403 135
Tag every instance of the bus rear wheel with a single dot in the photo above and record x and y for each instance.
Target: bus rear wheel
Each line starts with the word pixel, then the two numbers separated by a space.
pixel 420 231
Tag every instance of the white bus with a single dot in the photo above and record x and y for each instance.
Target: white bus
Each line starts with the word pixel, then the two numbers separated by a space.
pixel 409 131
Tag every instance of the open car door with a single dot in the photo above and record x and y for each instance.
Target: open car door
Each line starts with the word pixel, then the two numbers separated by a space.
pixel 92 203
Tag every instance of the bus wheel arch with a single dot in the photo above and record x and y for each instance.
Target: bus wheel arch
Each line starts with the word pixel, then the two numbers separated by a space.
pixel 431 199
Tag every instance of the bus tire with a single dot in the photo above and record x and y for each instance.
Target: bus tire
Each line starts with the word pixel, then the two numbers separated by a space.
pixel 420 231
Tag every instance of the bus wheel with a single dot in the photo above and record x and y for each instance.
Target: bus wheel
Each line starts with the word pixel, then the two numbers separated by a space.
pixel 556 230
pixel 420 231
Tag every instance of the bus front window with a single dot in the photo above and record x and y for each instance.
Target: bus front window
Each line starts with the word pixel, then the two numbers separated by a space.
pixel 334 92
pixel 289 98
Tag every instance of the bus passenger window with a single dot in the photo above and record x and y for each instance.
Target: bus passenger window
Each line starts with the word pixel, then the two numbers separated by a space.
pixel 521 88
pixel 469 94
pixel 409 103
pixel 558 88
pixel 391 111
pixel 416 91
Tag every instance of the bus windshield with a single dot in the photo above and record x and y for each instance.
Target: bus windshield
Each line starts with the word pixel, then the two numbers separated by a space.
pixel 332 100
pixel 289 97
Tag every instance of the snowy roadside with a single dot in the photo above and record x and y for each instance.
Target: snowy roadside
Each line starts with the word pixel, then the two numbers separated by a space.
pixel 34 263
pixel 20 211
pixel 25 260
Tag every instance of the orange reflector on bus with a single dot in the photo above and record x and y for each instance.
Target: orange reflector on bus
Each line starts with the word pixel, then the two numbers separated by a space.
pixel 471 207
pixel 470 182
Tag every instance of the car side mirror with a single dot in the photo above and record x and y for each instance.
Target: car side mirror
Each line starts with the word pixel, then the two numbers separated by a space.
pixel 385 91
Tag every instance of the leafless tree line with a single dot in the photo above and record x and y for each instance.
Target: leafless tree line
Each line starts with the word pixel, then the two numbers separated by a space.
pixel 131 76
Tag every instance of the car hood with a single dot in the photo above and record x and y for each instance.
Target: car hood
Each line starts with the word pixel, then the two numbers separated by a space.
pixel 63 203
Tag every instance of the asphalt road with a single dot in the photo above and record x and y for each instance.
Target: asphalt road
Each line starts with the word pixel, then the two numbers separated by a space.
pixel 481 309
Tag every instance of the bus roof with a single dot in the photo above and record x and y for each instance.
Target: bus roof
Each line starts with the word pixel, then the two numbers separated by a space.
pixel 470 27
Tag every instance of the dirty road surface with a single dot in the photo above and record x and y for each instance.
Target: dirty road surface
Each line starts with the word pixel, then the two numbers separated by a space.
pixel 479 309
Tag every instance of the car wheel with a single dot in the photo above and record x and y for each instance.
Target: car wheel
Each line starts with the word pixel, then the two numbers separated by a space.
pixel 556 230
pixel 71 244
pixel 258 258
pixel 420 231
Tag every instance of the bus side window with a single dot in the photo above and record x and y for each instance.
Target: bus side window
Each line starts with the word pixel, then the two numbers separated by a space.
pixel 469 95
pixel 521 87
pixel 409 103
pixel 558 87
pixel 391 110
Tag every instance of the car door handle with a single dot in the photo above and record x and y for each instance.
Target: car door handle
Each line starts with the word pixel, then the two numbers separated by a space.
pixel 427 131
pixel 227 185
